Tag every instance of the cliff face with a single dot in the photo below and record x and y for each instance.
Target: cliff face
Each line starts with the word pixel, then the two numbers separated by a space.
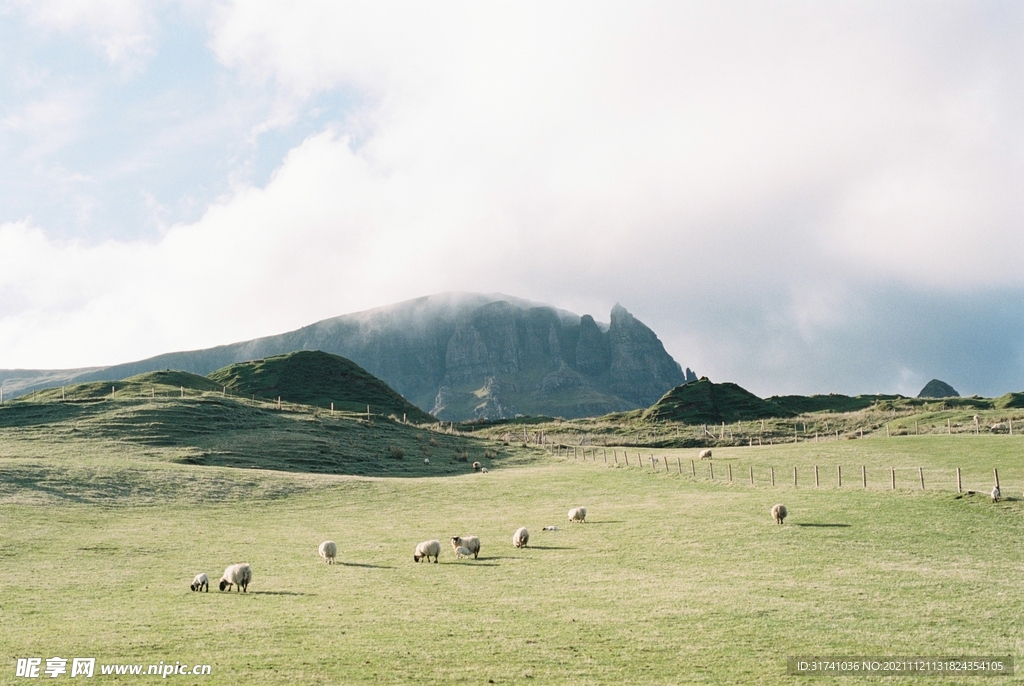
pixel 461 356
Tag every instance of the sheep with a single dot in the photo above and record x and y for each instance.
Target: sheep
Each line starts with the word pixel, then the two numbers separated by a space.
pixel 779 513
pixel 705 454
pixel 550 528
pixel 521 537
pixel 476 466
pixel 426 549
pixel 578 514
pixel 483 470
pixel 329 551
pixel 995 494
pixel 471 542
pixel 239 575
pixel 426 460
pixel 201 582
pixel 461 552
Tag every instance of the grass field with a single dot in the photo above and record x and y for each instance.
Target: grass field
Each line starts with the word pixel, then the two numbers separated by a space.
pixel 671 580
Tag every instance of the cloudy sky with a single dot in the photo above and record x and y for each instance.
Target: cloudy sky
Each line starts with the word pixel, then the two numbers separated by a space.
pixel 798 197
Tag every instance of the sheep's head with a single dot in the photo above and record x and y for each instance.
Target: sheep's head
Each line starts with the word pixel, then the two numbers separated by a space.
pixel 224 584
pixel 415 558
pixel 456 541
pixel 194 586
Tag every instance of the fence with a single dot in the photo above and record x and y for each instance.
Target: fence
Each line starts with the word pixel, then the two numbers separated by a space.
pixel 888 478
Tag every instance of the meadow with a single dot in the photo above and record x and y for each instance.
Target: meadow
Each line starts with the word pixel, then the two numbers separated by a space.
pixel 672 579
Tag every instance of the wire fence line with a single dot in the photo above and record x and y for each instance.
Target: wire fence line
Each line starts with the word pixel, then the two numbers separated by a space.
pixel 837 476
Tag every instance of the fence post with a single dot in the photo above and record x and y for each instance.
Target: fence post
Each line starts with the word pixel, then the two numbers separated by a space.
pixel 892 476
pixel 840 467
pixel 751 475
pixel 864 475
pixel 959 483
pixel 730 471
pixel 679 465
pixel 920 472
pixel 949 428
pixel 711 468
pixel 693 469
pixel 773 475
pixel 794 476
pixel 666 464
pixel 815 476
pixel 604 451
pixel 887 434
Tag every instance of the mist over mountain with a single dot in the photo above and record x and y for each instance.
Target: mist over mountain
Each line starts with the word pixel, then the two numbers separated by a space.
pixel 456 355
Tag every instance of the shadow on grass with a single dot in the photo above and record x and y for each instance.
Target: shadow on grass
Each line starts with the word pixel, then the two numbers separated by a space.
pixel 606 521
pixel 364 565
pixel 273 593
pixel 550 547
pixel 822 525
pixel 475 563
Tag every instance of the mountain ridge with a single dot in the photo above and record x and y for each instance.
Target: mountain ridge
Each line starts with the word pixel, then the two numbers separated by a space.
pixel 457 355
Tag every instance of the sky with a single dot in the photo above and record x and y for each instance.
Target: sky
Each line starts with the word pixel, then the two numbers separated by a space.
pixel 798 197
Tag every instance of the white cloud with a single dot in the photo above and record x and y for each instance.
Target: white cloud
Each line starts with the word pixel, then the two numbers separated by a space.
pixel 775 159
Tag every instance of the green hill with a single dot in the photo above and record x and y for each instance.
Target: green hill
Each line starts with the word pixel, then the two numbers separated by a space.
pixel 704 402
pixel 211 429
pixel 938 389
pixel 312 377
pixel 153 384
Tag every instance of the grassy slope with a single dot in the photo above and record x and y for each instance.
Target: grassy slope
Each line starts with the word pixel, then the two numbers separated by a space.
pixel 704 402
pixel 722 596
pixel 208 429
pixel 317 378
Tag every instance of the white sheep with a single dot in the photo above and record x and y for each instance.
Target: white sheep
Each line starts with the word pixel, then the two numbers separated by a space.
pixel 239 575
pixel 995 494
pixel 578 514
pixel 779 513
pixel 201 582
pixel 461 552
pixel 426 549
pixel 329 551
pixel 426 460
pixel 705 454
pixel 521 537
pixel 470 542
pixel 476 466
pixel 550 528
pixel 483 470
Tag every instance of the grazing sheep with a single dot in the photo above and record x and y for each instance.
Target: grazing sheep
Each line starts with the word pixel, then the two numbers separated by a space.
pixel 476 466
pixel 201 582
pixel 705 454
pixel 779 513
pixel 239 575
pixel 578 514
pixel 462 552
pixel 483 470
pixel 426 460
pixel 995 494
pixel 521 537
pixel 427 549
pixel 471 542
pixel 550 528
pixel 329 551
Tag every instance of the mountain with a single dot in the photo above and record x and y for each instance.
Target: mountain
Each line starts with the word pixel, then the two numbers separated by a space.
pixel 938 389
pixel 456 355
pixel 312 377
pixel 704 402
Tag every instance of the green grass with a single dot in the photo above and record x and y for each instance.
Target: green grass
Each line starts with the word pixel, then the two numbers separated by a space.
pixel 213 430
pixel 671 580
